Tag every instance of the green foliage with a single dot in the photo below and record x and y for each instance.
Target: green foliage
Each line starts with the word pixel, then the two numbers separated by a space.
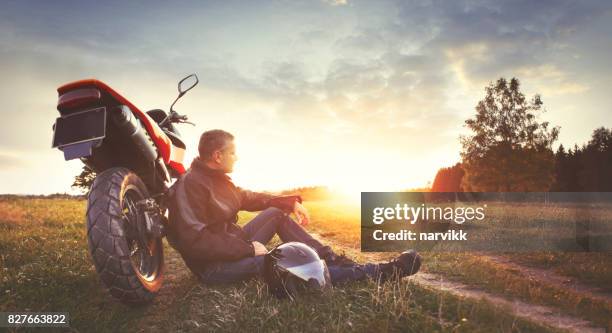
pixel 448 179
pixel 508 150
pixel 84 180
pixel 586 168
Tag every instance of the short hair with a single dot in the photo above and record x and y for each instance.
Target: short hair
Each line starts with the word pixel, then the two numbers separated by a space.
pixel 211 141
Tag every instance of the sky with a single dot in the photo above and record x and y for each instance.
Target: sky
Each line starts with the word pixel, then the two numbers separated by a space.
pixel 355 95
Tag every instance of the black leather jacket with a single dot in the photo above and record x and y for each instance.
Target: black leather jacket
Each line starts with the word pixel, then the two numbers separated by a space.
pixel 203 208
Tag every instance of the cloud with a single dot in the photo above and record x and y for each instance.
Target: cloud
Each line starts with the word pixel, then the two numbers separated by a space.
pixel 486 39
pixel 10 162
pixel 387 77
pixel 550 80
pixel 336 2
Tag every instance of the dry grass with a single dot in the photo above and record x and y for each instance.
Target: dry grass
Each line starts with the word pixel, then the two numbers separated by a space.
pixel 45 266
pixel 10 212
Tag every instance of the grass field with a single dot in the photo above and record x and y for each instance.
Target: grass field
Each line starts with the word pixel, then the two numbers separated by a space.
pixel 45 266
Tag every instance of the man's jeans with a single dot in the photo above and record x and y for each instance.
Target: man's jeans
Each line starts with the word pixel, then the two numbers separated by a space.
pixel 262 228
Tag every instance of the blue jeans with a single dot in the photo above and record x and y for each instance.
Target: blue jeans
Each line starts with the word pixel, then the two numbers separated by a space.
pixel 261 229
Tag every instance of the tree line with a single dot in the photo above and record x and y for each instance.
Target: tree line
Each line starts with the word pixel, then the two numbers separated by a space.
pixel 579 169
pixel 509 150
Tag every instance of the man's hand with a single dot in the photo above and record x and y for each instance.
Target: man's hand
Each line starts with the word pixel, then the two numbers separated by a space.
pixel 260 249
pixel 301 214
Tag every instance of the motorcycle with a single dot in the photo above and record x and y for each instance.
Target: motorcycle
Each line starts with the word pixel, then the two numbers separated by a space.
pixel 136 157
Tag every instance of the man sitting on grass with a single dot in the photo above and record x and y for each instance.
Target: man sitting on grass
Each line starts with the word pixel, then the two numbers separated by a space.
pixel 203 211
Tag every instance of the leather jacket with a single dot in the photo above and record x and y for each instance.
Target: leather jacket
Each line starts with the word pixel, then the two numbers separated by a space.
pixel 203 210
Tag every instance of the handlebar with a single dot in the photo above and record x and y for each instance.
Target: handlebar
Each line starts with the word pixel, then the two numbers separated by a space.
pixel 182 119
pixel 174 117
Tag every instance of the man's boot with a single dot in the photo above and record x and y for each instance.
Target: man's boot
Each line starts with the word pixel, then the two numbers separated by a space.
pixel 408 263
pixel 333 259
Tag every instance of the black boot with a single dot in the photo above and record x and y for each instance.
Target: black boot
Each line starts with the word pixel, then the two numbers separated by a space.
pixel 408 263
pixel 333 259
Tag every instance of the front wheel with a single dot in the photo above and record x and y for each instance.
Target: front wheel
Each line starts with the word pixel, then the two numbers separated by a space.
pixel 130 263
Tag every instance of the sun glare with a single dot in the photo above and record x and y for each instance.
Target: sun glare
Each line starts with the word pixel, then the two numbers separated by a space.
pixel 349 195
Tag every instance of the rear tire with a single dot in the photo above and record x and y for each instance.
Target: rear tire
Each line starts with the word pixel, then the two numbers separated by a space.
pixel 110 205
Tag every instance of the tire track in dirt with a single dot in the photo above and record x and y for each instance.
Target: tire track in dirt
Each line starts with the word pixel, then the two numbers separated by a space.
pixel 544 315
pixel 535 313
pixel 547 277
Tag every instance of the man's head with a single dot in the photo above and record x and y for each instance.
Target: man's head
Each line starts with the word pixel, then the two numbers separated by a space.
pixel 217 149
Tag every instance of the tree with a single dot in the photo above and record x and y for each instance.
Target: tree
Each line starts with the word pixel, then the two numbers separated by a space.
pixel 84 180
pixel 596 161
pixel 509 150
pixel 564 173
pixel 448 179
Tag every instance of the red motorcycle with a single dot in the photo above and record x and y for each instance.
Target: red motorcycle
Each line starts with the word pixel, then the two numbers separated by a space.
pixel 135 155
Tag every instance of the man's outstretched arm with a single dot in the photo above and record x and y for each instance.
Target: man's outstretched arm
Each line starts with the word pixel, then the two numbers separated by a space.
pixel 256 201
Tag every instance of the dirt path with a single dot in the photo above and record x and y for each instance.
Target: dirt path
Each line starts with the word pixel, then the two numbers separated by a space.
pixel 545 315
pixel 536 313
pixel 548 277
